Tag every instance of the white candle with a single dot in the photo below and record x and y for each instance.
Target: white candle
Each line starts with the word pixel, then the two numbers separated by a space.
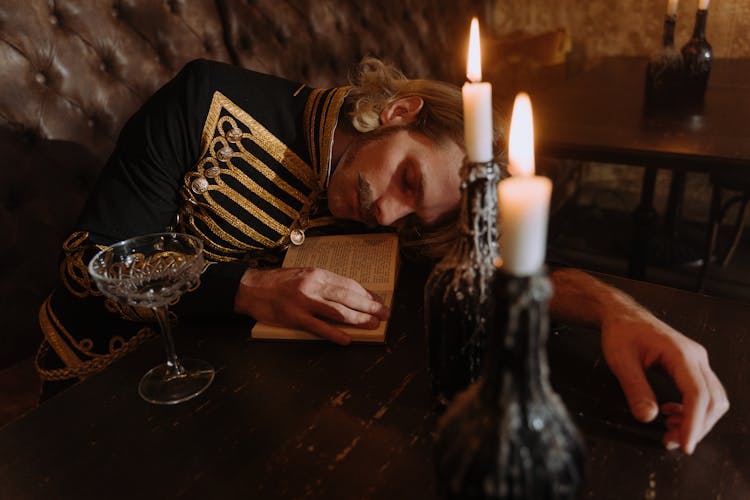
pixel 703 4
pixel 672 7
pixel 523 199
pixel 477 101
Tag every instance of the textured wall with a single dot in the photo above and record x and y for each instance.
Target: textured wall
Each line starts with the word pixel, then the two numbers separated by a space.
pixel 630 27
pixel 601 28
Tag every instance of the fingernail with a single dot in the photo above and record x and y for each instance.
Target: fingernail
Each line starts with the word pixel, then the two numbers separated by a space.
pixel 690 448
pixel 672 445
pixel 644 411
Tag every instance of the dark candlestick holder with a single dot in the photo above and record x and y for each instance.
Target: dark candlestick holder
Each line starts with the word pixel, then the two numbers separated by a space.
pixel 458 292
pixel 508 436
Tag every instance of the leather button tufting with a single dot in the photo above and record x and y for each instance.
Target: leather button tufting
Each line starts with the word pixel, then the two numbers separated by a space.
pixel 40 78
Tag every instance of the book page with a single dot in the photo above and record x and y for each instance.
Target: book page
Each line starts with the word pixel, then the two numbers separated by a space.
pixel 370 259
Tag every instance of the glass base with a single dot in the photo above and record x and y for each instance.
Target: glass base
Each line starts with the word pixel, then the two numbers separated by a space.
pixel 162 386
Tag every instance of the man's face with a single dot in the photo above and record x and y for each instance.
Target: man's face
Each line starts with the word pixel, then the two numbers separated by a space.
pixel 394 173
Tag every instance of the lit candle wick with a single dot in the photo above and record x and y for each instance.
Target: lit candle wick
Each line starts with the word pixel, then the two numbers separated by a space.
pixel 521 137
pixel 474 63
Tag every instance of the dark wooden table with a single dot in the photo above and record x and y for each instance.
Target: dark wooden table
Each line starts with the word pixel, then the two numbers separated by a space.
pixel 312 420
pixel 599 115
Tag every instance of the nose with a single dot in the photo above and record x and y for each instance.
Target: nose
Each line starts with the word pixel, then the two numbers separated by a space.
pixel 389 209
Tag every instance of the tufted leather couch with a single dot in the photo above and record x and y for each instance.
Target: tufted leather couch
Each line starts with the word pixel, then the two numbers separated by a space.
pixel 72 71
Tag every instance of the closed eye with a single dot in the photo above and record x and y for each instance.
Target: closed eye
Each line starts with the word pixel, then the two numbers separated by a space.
pixel 413 183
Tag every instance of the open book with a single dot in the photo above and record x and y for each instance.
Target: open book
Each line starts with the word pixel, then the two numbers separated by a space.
pixel 370 259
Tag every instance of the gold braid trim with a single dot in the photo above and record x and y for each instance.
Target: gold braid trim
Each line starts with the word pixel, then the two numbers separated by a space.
pixel 74 272
pixel 95 365
pixel 63 350
pixel 75 367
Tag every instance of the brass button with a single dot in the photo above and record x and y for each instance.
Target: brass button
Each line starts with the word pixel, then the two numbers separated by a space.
pixel 234 135
pixel 199 185
pixel 225 153
pixel 297 236
pixel 212 172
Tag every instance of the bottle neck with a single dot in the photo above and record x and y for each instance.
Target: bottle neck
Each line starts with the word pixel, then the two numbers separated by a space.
pixel 516 359
pixel 479 207
pixel 700 24
pixel 669 25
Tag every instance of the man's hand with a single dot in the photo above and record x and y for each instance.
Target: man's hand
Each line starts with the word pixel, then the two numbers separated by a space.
pixel 633 340
pixel 307 298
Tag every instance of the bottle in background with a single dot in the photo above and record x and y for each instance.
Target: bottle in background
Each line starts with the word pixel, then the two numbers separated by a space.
pixel 697 56
pixel 664 72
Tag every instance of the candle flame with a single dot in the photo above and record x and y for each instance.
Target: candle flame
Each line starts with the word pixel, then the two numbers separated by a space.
pixel 474 64
pixel 521 137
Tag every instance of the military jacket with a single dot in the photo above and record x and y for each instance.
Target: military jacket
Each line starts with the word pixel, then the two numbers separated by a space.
pixel 237 158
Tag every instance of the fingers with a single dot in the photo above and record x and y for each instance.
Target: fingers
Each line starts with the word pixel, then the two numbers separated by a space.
pixel 325 331
pixel 719 403
pixel 304 298
pixel 354 305
pixel 704 403
pixel 641 400
pixel 341 299
pixel 702 409
pixel 704 400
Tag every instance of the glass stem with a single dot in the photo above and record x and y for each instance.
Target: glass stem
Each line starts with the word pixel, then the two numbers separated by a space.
pixel 173 362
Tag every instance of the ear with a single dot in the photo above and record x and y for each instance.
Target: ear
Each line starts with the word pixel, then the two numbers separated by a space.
pixel 401 111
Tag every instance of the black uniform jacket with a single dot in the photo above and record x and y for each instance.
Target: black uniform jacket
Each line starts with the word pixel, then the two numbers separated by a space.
pixel 235 157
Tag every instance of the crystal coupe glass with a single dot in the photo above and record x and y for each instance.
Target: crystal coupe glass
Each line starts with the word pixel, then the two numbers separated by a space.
pixel 153 271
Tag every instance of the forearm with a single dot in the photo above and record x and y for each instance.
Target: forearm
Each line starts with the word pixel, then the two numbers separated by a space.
pixel 582 299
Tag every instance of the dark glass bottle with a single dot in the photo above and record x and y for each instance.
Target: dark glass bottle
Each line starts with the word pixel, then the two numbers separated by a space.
pixel 664 71
pixel 697 56
pixel 458 302
pixel 508 436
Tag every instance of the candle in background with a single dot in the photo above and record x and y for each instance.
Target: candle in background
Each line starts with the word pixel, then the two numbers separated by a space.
pixel 477 100
pixel 523 198
pixel 703 4
pixel 672 7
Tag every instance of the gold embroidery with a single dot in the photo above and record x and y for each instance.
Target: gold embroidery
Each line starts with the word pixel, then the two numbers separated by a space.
pixel 230 164
pixel 310 109
pixel 226 237
pixel 74 271
pixel 320 121
pixel 225 138
pixel 65 353
pixel 260 135
pixel 210 248
pixel 87 368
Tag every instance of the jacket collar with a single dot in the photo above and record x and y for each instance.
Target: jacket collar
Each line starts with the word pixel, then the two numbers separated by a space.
pixel 321 117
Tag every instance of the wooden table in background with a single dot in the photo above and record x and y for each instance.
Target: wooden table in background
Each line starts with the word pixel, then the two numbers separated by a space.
pixel 599 115
pixel 312 420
